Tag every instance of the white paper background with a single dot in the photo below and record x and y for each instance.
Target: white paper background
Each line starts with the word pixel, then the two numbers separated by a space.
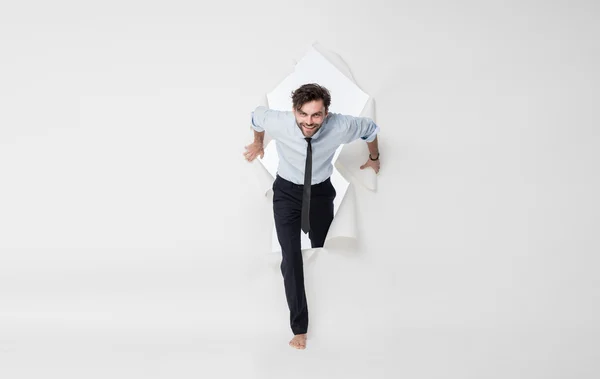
pixel 132 241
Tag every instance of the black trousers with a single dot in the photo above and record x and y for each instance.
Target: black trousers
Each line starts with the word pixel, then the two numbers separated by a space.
pixel 287 209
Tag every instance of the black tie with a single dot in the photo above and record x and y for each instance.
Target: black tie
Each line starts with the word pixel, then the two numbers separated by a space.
pixel 307 187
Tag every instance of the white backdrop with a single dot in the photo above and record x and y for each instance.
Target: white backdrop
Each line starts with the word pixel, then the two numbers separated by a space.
pixel 133 234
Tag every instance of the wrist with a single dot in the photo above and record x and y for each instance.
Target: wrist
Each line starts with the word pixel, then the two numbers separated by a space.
pixel 374 158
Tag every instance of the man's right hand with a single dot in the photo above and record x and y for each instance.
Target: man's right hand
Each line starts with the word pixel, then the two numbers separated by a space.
pixel 253 150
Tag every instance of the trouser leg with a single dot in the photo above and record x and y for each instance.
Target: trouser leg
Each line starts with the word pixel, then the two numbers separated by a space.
pixel 287 207
pixel 321 212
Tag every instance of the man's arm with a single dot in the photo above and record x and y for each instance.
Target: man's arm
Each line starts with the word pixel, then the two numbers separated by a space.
pixel 263 123
pixel 363 128
pixel 373 160
pixel 257 118
pixel 258 124
pixel 259 137
pixel 373 148
pixel 269 120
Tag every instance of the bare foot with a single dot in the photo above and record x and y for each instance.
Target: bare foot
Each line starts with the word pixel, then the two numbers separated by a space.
pixel 299 341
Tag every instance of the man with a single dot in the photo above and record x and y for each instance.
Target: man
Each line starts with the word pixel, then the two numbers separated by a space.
pixel 307 139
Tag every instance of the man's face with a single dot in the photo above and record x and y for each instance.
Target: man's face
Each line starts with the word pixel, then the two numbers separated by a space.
pixel 310 117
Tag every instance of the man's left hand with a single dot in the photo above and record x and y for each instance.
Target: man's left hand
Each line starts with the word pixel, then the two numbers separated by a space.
pixel 375 165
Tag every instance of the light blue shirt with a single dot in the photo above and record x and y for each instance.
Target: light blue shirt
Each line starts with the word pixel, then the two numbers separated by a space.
pixel 337 129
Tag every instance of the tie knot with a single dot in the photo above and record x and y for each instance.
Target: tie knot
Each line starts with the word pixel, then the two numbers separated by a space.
pixel 307 139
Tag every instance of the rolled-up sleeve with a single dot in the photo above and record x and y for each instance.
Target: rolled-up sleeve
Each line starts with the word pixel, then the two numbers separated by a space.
pixel 360 127
pixel 258 118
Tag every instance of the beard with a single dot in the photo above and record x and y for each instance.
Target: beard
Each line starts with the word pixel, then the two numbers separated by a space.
pixel 308 130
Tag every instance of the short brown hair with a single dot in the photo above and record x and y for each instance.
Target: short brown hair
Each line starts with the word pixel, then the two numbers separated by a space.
pixel 309 92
